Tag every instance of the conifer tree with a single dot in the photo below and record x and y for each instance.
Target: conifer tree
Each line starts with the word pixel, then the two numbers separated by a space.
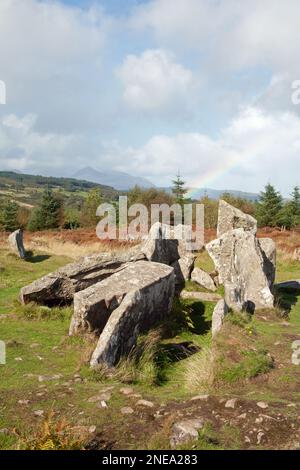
pixel 178 189
pixel 48 215
pixel 269 207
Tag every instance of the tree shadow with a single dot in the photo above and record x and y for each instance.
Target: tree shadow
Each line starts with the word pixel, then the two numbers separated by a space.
pixel 31 258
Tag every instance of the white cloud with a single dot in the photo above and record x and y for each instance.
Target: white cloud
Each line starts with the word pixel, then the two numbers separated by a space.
pixel 255 148
pixel 154 81
pixel 234 34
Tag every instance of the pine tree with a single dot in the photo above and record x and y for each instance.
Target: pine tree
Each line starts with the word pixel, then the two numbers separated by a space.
pixel 48 215
pixel 9 218
pixel 178 189
pixel 269 207
pixel 295 203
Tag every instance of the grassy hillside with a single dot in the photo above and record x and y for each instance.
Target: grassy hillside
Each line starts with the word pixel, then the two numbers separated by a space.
pixel 47 379
pixel 26 189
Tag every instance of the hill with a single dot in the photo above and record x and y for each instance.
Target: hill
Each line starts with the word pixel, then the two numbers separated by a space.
pixel 26 189
pixel 119 180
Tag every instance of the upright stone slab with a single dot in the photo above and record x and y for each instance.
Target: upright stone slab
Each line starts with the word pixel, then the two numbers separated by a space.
pixel 218 316
pixel 59 287
pixel 230 218
pixel 15 241
pixel 123 306
pixel 239 260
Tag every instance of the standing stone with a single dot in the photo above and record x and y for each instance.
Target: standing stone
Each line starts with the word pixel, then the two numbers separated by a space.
pixel 203 279
pixel 230 218
pixel 218 316
pixel 15 241
pixel 123 306
pixel 59 287
pixel 239 260
pixel 268 248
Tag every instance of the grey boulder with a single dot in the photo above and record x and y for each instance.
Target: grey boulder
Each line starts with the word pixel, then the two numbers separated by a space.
pixel 218 316
pixel 60 286
pixel 123 306
pixel 203 279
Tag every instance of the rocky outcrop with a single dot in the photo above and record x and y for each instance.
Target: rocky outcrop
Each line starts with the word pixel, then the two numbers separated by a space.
pixel 15 241
pixel 59 287
pixel 268 249
pixel 218 316
pixel 203 279
pixel 123 306
pixel 230 218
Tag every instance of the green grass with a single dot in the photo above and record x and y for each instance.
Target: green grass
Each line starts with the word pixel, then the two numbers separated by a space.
pixel 39 336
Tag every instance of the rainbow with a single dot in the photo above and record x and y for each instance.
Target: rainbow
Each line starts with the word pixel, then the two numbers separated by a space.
pixel 211 175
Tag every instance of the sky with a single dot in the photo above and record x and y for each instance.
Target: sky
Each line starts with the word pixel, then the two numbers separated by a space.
pixel 153 87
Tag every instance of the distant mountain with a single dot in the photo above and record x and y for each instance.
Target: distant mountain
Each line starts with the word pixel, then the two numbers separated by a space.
pixel 117 179
pixel 217 193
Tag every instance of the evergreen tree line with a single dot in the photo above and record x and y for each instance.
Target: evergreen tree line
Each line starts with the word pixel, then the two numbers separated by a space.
pixel 54 212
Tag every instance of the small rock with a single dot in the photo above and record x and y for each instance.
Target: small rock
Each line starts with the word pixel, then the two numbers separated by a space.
pixel 38 413
pixel 18 359
pixel 23 402
pixel 126 390
pixel 247 440
pixel 92 429
pixel 242 416
pixel 200 397
pixel 135 395
pixel 185 431
pixel 34 345
pixel 260 437
pixel 231 403
pixel 259 420
pixel 145 403
pixel 4 431
pixel 102 404
pixel 127 410
pixel 262 404
pixel 46 378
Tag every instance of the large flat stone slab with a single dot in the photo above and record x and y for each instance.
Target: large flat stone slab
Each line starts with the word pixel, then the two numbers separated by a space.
pixel 60 286
pixel 123 306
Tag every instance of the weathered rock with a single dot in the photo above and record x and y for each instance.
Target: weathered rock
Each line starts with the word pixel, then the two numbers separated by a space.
pixel 231 403
pixel 268 248
pixel 218 316
pixel 158 247
pixel 296 254
pixel 93 306
pixel 59 287
pixel 15 241
pixel 183 268
pixel 230 218
pixel 239 260
pixel 203 279
pixel 121 307
pixel 185 431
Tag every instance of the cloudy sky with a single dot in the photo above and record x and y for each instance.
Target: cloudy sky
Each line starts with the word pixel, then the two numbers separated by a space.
pixel 151 87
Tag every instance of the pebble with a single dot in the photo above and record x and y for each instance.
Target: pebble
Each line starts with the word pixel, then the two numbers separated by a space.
pixel 126 390
pixel 145 403
pixel 18 359
pixel 260 437
pixel 231 403
pixel 38 412
pixel 127 410
pixel 23 402
pixel 262 404
pixel 92 429
pixel 200 397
